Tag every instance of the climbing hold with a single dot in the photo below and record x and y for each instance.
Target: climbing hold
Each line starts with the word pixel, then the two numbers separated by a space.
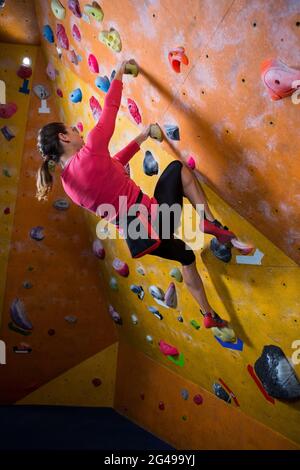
pixel 62 37
pixel 113 283
pixel 17 329
pixel 232 395
pixel 121 267
pixel 6 172
pixel 6 211
pixel 167 349
pixel 180 318
pixel 198 399
pixel 221 251
pixel 150 165
pixel 73 57
pixel 224 334
pixel 96 382
pixel 95 107
pixel 176 273
pixel 149 339
pixel 171 296
pixel 7 133
pixel 58 9
pixel 93 64
pixel 112 75
pixel 72 319
pixel 184 418
pixel 75 8
pixel 48 33
pixel 19 316
pixel 7 110
pixel 80 126
pixel 59 93
pixel 36 233
pixel 220 392
pixel 155 313
pixel 51 332
pixel 98 249
pixel 172 131
pixel 76 96
pixel 102 83
pixel 157 292
pixel 61 204
pixel 59 52
pixel 156 132
pixel 178 57
pixel 279 79
pixel 24 71
pixel 115 315
pixel 2 3
pixel 140 270
pixel 76 33
pixel 195 324
pixel 236 346
pixel 184 393
pixel 111 39
pixel 132 68
pixel 138 290
pixel 134 110
pixel 127 168
pixel 134 319
pixel 277 374
pixel 22 348
pixel 51 71
pixel 27 285
pixel 41 92
pixel 161 405
pixel 191 162
pixel 95 11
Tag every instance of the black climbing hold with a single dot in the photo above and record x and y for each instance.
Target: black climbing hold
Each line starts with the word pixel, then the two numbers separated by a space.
pixel 150 165
pixel 220 392
pixel 222 252
pixel 276 374
pixel 172 132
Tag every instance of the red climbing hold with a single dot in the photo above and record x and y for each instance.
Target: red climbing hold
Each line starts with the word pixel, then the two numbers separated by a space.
pixel 279 79
pixel 161 405
pixel 134 110
pixel 178 57
pixel 7 110
pixel 62 37
pixel 96 382
pixel 24 72
pixel 6 210
pixel 59 93
pixel 167 349
pixel 198 399
pixel 191 162
pixel 93 64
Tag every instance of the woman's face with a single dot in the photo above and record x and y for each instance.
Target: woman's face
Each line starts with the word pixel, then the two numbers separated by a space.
pixel 75 137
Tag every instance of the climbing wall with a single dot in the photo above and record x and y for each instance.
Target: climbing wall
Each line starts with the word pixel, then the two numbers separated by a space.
pixel 244 145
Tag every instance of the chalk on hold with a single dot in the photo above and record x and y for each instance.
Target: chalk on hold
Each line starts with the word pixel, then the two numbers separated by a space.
pixel 138 290
pixel 167 349
pixel 95 11
pixel 172 131
pixel 171 296
pixel 225 334
pixel 157 292
pixel 132 68
pixel 150 165
pixel 48 33
pixel 113 283
pixel 76 96
pixel 75 8
pixel 98 249
pixel 62 37
pixel 61 204
pixel 155 312
pixel 8 110
pixel 58 9
pixel 156 132
pixel 111 39
pixel 279 79
pixel 7 133
pixel 115 315
pixel 36 233
pixel 19 316
pixel 102 83
pixel 134 110
pixel 120 267
pixel 93 63
pixel 41 92
pixel 95 108
pixel 220 392
pixel 277 374
pixel 176 58
pixel 76 33
pixel 176 273
pixel 220 251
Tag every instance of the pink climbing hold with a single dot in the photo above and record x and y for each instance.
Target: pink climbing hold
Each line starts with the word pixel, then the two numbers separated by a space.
pixel 24 72
pixel 75 8
pixel 76 33
pixel 191 162
pixel 62 37
pixel 73 57
pixel 279 79
pixel 134 111
pixel 121 267
pixel 198 399
pixel 96 108
pixel 51 71
pixel 171 296
pixel 80 126
pixel 167 349
pixel 98 249
pixel 7 110
pixel 176 58
pixel 59 93
pixel 93 64
pixel 161 405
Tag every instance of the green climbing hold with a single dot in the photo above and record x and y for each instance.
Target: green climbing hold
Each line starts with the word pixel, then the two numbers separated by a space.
pixel 176 273
pixel 113 284
pixel 6 172
pixel 195 324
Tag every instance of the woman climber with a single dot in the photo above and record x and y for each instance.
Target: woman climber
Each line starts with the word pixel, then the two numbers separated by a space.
pixel 91 178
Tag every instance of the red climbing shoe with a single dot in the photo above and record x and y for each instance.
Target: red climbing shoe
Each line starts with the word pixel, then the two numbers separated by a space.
pixel 244 248
pixel 213 320
pixel 279 78
pixel 223 236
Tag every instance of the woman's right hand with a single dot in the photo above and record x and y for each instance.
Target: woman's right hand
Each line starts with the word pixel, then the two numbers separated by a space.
pixel 120 70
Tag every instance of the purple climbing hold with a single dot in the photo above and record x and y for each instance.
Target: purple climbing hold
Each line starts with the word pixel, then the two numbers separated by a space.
pixel 171 296
pixel 7 133
pixel 76 33
pixel 115 315
pixel 198 399
pixel 62 37
pixel 51 71
pixel 36 233
pixel 75 8
pixel 98 249
pixel 184 393
pixel 19 316
pixel 121 267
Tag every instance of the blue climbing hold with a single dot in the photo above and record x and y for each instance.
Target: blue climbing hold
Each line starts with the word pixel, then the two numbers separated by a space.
pixel 76 96
pixel 48 33
pixel 102 83
pixel 172 132
pixel 112 75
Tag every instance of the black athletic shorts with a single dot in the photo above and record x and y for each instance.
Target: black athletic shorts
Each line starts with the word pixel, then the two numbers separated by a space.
pixel 169 190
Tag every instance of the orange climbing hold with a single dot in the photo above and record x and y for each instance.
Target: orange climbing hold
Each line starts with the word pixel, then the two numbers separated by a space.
pixel 178 57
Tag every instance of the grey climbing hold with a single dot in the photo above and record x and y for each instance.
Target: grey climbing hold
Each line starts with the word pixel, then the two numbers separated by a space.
pixel 113 283
pixel 134 319
pixel 149 339
pixel 41 92
pixel 220 392
pixel 277 374
pixel 19 316
pixel 138 290
pixel 157 292
pixel 71 319
pixel 176 273
pixel 155 312
pixel 180 318
pixel 184 393
pixel 222 252
pixel 171 296
pixel 115 315
pixel 140 270
pixel 150 165
pixel 61 204
pixel 172 132
pixel 36 233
